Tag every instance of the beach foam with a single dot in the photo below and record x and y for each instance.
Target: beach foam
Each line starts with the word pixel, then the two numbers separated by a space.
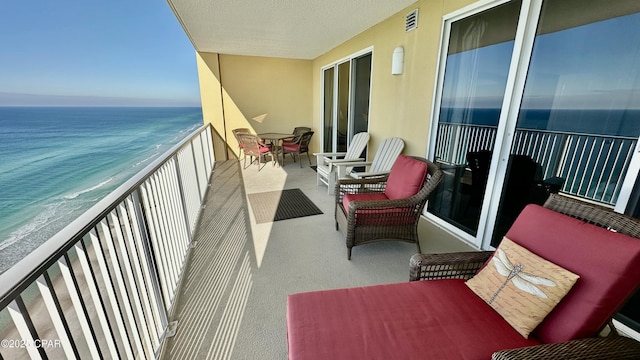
pixel 58 162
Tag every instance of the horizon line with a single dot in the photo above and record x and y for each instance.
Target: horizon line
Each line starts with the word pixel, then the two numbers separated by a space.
pixel 32 100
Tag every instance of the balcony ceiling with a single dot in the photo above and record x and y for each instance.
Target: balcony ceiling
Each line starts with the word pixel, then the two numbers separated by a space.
pixel 302 29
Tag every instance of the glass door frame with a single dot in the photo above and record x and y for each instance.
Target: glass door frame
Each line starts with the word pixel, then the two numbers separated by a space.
pixel 518 72
pixel 629 182
pixel 335 65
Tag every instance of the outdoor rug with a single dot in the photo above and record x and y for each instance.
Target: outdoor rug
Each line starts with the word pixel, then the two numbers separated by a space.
pixel 281 205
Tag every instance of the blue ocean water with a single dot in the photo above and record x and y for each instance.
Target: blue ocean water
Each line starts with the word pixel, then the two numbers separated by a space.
pixel 56 162
pixel 612 122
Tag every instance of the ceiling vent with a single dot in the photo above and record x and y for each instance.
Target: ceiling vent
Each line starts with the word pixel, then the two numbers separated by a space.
pixel 411 20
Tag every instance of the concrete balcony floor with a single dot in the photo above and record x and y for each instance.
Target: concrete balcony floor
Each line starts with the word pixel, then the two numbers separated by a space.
pixel 233 295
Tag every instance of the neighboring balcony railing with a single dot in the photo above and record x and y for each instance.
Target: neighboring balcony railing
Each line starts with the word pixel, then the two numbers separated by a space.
pixel 593 166
pixel 104 285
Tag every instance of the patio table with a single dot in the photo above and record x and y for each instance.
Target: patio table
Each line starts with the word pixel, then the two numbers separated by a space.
pixel 275 139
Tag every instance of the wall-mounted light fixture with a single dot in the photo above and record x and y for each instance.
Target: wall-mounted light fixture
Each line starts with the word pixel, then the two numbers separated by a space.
pixel 397 61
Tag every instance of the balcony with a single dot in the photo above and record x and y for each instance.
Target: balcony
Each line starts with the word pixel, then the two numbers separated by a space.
pixel 174 265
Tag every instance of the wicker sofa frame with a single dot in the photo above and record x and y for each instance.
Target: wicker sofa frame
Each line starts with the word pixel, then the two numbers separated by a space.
pixel 379 227
pixel 464 265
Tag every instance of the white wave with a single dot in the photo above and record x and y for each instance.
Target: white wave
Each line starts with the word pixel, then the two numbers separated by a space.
pixel 36 226
pixel 74 195
pixel 184 132
pixel 147 159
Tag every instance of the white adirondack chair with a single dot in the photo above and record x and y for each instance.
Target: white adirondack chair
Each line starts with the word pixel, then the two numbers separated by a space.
pixel 385 157
pixel 326 162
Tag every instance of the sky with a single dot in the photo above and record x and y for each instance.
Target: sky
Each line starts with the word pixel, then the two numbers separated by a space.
pixel 593 66
pixel 95 53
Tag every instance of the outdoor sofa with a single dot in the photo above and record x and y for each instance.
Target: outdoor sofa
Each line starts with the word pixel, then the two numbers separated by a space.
pixel 443 318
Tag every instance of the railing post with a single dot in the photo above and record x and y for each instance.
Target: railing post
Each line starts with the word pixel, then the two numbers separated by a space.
pixel 78 303
pixel 24 325
pixel 195 170
pixel 454 147
pixel 183 202
pixel 143 230
pixel 57 316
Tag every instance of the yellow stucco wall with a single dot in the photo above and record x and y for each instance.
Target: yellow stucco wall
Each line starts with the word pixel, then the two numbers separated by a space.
pixel 400 104
pixel 269 94
pixel 262 94
pixel 211 100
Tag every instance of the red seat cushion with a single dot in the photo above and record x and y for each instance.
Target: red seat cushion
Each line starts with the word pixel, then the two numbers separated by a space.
pixel 348 198
pixel 291 147
pixel 379 216
pixel 438 319
pixel 607 263
pixel 406 178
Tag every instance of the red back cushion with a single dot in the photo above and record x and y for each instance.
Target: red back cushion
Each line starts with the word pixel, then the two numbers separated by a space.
pixel 406 178
pixel 607 263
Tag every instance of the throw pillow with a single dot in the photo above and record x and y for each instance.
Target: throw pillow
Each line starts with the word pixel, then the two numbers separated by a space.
pixel 521 286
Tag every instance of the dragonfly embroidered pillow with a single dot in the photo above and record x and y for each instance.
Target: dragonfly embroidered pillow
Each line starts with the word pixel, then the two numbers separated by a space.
pixel 521 286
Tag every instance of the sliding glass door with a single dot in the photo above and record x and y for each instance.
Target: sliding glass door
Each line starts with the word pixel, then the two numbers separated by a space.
pixel 534 97
pixel 346 90
pixel 579 118
pixel 473 90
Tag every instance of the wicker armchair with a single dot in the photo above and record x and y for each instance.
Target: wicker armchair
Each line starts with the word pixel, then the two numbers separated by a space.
pixel 381 219
pixel 236 133
pixel 252 147
pixel 464 265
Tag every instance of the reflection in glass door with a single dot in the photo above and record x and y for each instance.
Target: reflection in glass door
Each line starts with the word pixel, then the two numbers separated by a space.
pixel 328 78
pixel 477 65
pixel 360 100
pixel 344 70
pixel 578 121
pixel 346 90
pixel 559 114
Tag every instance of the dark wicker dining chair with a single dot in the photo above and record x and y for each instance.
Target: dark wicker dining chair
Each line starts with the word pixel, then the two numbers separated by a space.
pixel 386 208
pixel 297 132
pixel 300 146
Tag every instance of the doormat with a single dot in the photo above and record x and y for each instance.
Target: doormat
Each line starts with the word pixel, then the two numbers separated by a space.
pixel 281 205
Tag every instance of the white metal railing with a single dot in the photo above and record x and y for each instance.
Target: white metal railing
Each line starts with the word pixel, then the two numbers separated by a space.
pixel 102 287
pixel 456 140
pixel 593 166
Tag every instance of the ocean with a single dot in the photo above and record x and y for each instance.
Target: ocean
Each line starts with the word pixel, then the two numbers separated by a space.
pixel 611 122
pixel 57 162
